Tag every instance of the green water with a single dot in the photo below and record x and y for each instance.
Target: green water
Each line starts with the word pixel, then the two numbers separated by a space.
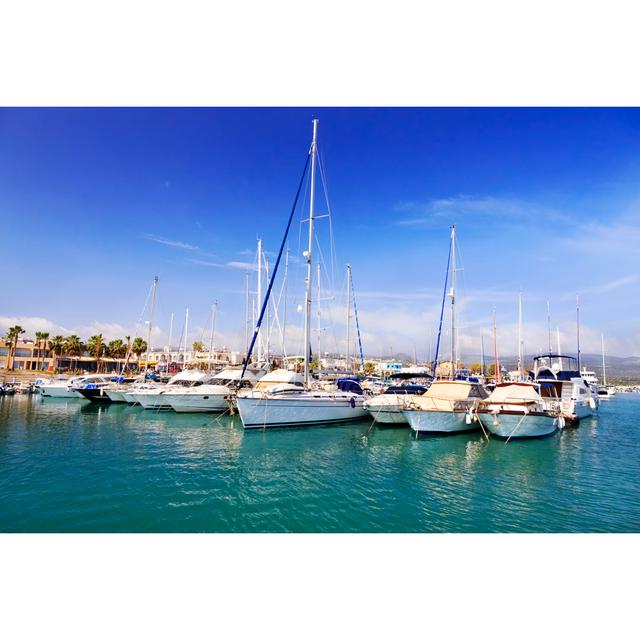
pixel 70 466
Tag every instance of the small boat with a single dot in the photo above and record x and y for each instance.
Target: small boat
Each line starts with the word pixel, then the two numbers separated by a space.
pixel 517 410
pixel 152 397
pixel 70 387
pixel 387 407
pixel 447 406
pixel 213 396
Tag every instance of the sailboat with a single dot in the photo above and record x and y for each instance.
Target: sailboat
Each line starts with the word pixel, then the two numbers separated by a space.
pixel 290 405
pixel 448 405
pixel 605 391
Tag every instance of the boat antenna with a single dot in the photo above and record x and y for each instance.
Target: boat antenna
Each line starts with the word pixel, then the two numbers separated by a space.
pixel 154 286
pixel 444 298
pixel 275 270
pixel 308 254
pixel 214 309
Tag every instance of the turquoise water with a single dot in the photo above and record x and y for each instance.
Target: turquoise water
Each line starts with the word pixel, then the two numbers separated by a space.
pixel 72 466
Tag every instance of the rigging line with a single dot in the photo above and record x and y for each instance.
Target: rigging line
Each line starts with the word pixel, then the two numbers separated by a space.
pixel 355 309
pixel 275 268
pixel 325 188
pixel 444 299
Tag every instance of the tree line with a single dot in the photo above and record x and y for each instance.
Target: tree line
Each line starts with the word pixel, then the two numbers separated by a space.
pixel 73 346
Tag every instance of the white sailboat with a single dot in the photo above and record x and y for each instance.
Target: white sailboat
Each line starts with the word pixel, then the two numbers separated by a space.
pixel 289 405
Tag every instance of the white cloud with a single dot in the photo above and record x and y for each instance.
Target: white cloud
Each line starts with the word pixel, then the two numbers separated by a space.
pixel 506 208
pixel 178 244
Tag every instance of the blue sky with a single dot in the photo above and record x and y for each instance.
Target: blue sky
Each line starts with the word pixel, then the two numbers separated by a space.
pixel 95 202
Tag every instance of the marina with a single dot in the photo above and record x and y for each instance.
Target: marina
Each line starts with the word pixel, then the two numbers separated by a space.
pixel 76 466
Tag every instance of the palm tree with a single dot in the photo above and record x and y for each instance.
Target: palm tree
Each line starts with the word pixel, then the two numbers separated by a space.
pixel 197 346
pixel 116 348
pixel 97 348
pixel 138 347
pixel 57 345
pixel 41 341
pixel 12 342
pixel 39 335
pixel 73 346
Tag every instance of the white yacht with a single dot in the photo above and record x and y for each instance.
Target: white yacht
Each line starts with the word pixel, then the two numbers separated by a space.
pixel 517 410
pixel 68 387
pixel 289 405
pixel 213 396
pixel 152 397
pixel 560 379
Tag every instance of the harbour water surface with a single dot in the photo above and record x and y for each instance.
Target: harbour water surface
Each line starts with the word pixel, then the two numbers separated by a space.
pixel 70 466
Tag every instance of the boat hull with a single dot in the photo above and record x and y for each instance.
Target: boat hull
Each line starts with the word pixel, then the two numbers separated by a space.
pixel 422 421
pixel 258 412
pixel 192 403
pixel 50 391
pixel 116 396
pixel 150 401
pixel 387 411
pixel 95 395
pixel 518 425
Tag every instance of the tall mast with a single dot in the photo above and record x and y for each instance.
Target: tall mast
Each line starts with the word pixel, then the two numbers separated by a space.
pixel 578 328
pixel 186 331
pixel 454 355
pixel 348 356
pixel 604 366
pixel 307 309
pixel 520 354
pixel 549 326
pixel 170 335
pixel 268 340
pixel 154 286
pixel 284 311
pixel 259 295
pixel 214 309
pixel 318 313
pixel 246 313
pixel 495 348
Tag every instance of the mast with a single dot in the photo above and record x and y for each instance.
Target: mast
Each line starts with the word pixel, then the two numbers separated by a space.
pixel 307 309
pixel 604 366
pixel 170 335
pixel 578 327
pixel 154 286
pixel 454 355
pixel 319 316
pixel 558 340
pixel 260 356
pixel 495 348
pixel 549 326
pixel 520 354
pixel 268 340
pixel 246 313
pixel 348 354
pixel 186 331
pixel 214 309
pixel 284 310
